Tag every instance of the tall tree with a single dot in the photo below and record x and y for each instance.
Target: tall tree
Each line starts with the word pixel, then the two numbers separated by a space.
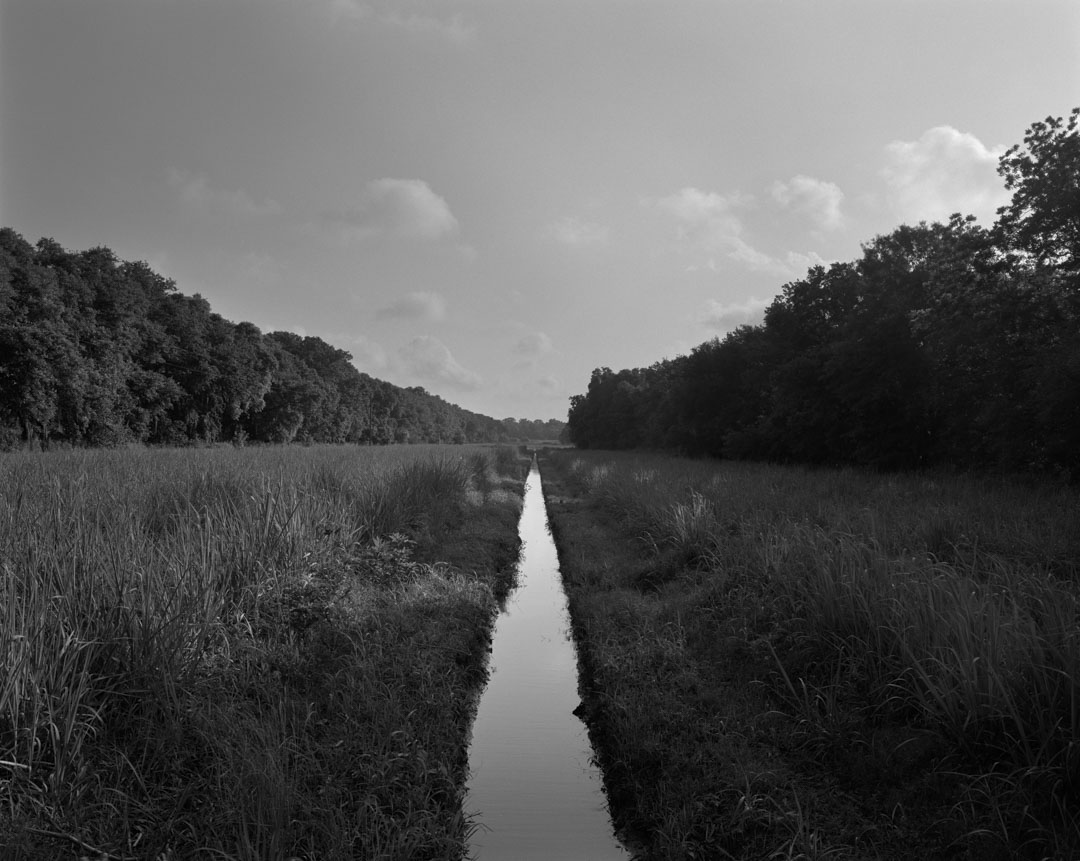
pixel 943 343
pixel 96 351
pixel 1043 174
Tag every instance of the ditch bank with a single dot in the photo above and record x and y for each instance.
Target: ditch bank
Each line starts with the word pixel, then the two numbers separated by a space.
pixel 700 758
pixel 328 715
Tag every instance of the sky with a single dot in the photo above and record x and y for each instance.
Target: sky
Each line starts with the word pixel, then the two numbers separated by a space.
pixel 491 198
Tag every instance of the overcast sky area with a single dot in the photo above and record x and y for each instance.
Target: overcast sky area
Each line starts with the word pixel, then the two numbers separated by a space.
pixel 491 198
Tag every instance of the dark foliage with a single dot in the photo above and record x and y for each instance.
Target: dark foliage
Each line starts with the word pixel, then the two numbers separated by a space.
pixel 943 344
pixel 96 351
pixel 525 430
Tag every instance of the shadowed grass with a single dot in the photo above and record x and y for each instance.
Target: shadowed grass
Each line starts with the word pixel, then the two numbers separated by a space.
pixel 913 640
pixel 244 653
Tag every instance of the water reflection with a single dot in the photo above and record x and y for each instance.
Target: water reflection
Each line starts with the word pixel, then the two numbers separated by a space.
pixel 532 786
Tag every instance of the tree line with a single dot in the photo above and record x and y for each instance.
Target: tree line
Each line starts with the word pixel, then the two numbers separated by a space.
pixel 943 344
pixel 97 351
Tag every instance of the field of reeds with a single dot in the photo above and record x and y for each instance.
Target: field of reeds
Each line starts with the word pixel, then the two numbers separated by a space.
pixel 793 663
pixel 246 653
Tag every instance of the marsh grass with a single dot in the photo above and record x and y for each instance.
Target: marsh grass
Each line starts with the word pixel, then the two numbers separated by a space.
pixel 910 626
pixel 244 653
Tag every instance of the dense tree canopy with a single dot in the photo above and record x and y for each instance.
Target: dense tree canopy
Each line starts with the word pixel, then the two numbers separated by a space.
pixel 526 430
pixel 1043 174
pixel 95 351
pixel 942 344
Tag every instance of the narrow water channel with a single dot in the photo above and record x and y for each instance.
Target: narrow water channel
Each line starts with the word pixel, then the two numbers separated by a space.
pixel 533 787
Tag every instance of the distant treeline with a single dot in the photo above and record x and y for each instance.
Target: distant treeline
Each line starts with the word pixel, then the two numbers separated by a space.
pixel 943 344
pixel 95 351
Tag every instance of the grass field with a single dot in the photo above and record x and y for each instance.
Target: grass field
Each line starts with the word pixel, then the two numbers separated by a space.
pixel 246 653
pixel 789 663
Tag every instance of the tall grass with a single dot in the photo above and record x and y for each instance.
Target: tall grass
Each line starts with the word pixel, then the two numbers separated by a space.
pixel 949 604
pixel 171 616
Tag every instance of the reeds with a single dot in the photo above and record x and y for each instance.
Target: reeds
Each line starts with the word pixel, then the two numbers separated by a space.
pixel 947 604
pixel 180 615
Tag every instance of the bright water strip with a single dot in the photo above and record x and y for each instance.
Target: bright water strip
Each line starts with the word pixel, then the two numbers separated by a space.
pixel 533 787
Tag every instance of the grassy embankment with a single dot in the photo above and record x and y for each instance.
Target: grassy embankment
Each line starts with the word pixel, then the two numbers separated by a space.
pixel 246 653
pixel 788 663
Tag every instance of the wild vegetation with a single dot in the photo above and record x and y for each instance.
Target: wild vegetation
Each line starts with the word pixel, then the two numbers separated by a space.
pixel 96 351
pixel 805 663
pixel 246 653
pixel 945 344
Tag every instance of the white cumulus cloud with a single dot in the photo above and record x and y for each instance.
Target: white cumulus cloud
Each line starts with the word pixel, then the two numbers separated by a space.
pixel 723 317
pixel 742 252
pixel 798 263
pixel 414 306
pixel 405 208
pixel 705 218
pixel 429 359
pixel 709 224
pixel 196 192
pixel 816 199
pixel 943 172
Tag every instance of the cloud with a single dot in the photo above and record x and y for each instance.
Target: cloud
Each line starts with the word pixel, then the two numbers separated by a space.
pixel 368 355
pixel 429 359
pixel 414 306
pixel 709 223
pixel 549 385
pixel 579 232
pixel 793 264
pixel 403 208
pixel 724 318
pixel 816 199
pixel 798 263
pixel 750 257
pixel 453 29
pixel 196 192
pixel 705 218
pixel 533 345
pixel 943 172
